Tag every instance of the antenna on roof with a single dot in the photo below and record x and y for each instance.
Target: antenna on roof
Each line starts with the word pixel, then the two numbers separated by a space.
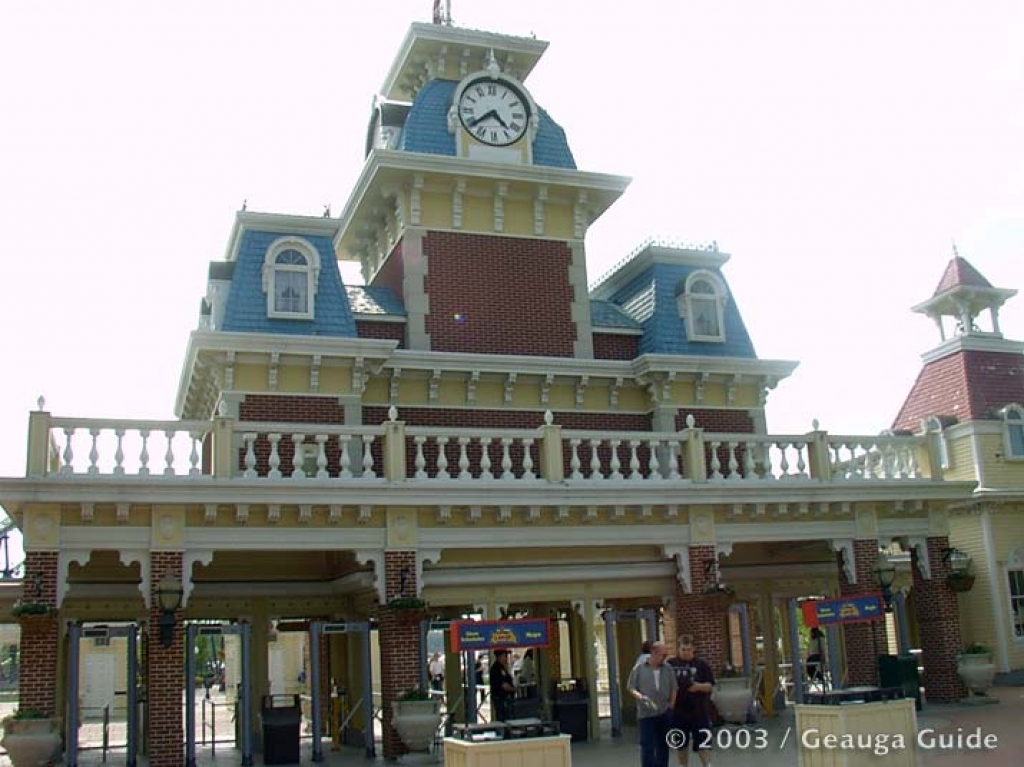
pixel 327 210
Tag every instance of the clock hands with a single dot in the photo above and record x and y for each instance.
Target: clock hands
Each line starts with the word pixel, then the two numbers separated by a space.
pixel 487 115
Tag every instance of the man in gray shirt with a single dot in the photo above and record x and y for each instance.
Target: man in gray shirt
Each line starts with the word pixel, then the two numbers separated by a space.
pixel 653 685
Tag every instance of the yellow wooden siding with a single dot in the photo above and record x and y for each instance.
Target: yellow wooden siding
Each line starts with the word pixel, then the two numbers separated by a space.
pixel 977 620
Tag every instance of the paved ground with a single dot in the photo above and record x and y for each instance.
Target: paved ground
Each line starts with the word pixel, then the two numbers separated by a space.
pixel 1003 721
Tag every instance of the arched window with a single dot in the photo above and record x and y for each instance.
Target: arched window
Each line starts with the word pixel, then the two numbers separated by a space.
pixel 290 276
pixel 701 304
pixel 1013 431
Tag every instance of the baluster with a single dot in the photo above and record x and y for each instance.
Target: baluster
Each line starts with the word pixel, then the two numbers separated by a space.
pixel 275 457
pixel 119 452
pixel 250 455
pixel 345 459
pixel 464 459
pixel 913 470
pixel 169 455
pixel 716 465
pixel 368 457
pixel 783 460
pixel 634 460
pixel 852 471
pixel 653 464
pixel 194 469
pixel 574 459
pixel 890 467
pixel 485 458
pixel 420 461
pixel 749 465
pixel 69 454
pixel 528 459
pixel 442 459
pixel 734 465
pixel 595 460
pixel 298 457
pixel 321 457
pixel 144 455
pixel 801 464
pixel 94 453
pixel 506 459
pixel 615 464
pixel 673 460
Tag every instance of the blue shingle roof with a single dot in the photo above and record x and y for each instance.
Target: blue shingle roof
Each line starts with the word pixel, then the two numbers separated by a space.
pixel 605 314
pixel 426 128
pixel 650 299
pixel 246 309
pixel 378 300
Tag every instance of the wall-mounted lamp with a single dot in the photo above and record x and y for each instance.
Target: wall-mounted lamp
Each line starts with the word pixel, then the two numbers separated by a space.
pixel 403 581
pixel 37 585
pixel 959 562
pixel 169 593
pixel 886 574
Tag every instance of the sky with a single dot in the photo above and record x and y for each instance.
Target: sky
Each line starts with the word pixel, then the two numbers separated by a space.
pixel 835 150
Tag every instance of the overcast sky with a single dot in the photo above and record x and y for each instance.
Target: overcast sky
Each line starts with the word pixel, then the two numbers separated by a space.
pixel 834 149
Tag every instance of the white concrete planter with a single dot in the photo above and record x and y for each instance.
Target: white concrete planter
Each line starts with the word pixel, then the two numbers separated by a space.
pixel 31 742
pixel 416 722
pixel 977 671
pixel 732 698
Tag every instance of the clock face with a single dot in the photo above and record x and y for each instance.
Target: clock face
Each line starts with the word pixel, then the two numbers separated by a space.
pixel 494 111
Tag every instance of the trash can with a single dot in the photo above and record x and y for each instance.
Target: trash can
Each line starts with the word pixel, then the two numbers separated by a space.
pixel 901 671
pixel 570 707
pixel 282 717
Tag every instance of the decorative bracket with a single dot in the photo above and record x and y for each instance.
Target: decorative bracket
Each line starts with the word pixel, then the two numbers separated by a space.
pixel 845 547
pixel 422 556
pixel 374 557
pixel 919 545
pixel 682 556
pixel 203 557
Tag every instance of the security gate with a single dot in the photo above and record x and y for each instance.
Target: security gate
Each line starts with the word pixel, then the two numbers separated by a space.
pixel 316 630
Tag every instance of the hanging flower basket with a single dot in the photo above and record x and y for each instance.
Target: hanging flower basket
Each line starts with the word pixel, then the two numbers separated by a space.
pixel 407 610
pixel 720 597
pixel 960 582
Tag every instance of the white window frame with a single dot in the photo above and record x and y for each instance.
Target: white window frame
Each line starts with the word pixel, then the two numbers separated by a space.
pixel 932 425
pixel 311 270
pixel 1013 421
pixel 1015 566
pixel 686 301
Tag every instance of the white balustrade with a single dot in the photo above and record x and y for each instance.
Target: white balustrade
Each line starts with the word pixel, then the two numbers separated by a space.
pixel 748 458
pixel 474 453
pixel 648 456
pixel 857 458
pixel 302 452
pixel 99 447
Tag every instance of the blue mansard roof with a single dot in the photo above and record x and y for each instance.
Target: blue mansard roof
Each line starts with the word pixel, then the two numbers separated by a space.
pixel 645 289
pixel 426 128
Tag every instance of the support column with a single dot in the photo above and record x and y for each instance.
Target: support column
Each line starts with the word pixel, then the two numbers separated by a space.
pixel 695 615
pixel 165 673
pixel 39 645
pixel 938 620
pixel 861 640
pixel 399 642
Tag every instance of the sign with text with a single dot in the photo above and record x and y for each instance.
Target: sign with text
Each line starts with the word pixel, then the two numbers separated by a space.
pixel 488 635
pixel 852 609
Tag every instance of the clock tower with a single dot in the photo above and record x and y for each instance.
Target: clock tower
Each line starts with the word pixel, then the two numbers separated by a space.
pixel 470 206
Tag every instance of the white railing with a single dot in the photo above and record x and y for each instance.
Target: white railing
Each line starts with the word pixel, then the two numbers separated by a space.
pixel 308 452
pixel 107 447
pixel 749 457
pixel 881 457
pixel 625 455
pixel 448 453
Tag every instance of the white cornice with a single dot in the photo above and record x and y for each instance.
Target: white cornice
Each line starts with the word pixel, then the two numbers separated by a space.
pixel 498 576
pixel 754 368
pixel 974 343
pixel 282 223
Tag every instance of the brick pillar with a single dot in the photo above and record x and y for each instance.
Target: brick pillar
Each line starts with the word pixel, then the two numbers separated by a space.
pixel 399 643
pixel 165 672
pixel 695 615
pixel 862 640
pixel 938 620
pixel 325 681
pixel 554 649
pixel 38 647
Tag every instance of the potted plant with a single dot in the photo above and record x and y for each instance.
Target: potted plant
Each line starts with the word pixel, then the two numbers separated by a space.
pixel 960 581
pixel 408 609
pixel 31 738
pixel 28 609
pixel 732 695
pixel 976 669
pixel 719 595
pixel 416 718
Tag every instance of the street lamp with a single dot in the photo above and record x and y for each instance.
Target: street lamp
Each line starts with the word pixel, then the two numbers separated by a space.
pixel 168 595
pixel 959 562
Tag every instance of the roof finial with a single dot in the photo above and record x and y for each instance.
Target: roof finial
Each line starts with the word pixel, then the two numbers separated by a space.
pixel 956 253
pixel 493 68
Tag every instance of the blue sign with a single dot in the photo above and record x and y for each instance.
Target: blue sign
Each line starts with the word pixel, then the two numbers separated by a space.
pixel 488 635
pixel 852 609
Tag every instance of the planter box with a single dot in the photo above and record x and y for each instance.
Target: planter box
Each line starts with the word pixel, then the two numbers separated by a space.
pixel 871 728
pixel 524 752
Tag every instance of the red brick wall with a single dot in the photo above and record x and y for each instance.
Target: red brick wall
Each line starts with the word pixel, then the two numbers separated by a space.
pixel 37 685
pixel 863 641
pixel 614 346
pixel 694 615
pixel 938 620
pixel 165 672
pixel 387 331
pixel 717 421
pixel 399 644
pixel 498 295
pixel 290 409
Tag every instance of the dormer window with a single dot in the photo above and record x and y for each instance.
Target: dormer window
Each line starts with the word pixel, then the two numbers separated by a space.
pixel 1013 431
pixel 290 275
pixel 701 303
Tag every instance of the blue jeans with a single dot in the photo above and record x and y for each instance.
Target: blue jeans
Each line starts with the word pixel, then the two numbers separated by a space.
pixel 653 747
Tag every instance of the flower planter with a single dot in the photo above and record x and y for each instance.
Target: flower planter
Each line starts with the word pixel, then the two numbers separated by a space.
pixel 732 697
pixel 977 671
pixel 720 601
pixel 960 583
pixel 31 742
pixel 416 722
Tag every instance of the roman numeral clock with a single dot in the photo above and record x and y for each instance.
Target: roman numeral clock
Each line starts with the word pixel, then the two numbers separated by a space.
pixel 494 113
